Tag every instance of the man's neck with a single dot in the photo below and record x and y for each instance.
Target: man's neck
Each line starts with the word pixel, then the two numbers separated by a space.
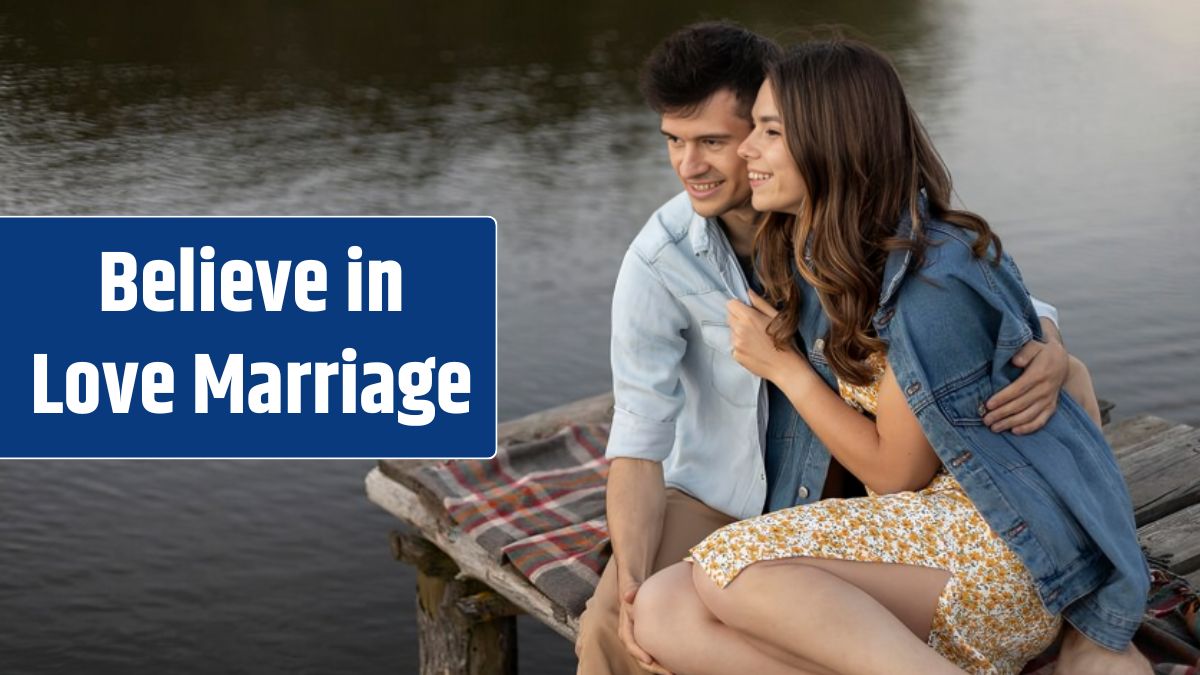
pixel 739 226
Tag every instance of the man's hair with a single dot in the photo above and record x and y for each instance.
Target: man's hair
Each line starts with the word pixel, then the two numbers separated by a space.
pixel 701 59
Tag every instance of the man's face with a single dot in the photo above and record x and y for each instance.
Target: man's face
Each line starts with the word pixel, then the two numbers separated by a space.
pixel 703 150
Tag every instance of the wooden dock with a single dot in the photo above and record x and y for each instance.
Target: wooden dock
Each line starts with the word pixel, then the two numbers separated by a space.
pixel 466 603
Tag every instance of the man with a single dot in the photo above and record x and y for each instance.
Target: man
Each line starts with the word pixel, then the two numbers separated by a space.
pixel 698 442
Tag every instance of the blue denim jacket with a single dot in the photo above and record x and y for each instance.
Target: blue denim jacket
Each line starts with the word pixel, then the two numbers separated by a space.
pixel 1056 496
pixel 796 462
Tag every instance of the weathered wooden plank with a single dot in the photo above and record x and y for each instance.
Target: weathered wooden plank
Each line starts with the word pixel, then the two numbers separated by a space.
pixel 590 410
pixel 1127 433
pixel 1162 478
pixel 1176 539
pixel 1137 453
pixel 472 559
pixel 417 551
pixel 1193 579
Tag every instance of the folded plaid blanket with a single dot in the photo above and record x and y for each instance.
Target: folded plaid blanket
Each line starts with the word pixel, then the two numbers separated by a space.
pixel 540 505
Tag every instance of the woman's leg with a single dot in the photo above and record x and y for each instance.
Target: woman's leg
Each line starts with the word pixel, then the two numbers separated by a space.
pixel 681 634
pixel 849 617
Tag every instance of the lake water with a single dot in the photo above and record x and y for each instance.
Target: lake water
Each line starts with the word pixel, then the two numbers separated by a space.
pixel 1072 126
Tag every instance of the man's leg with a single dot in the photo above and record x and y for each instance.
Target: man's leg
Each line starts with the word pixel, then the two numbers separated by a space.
pixel 1079 387
pixel 600 651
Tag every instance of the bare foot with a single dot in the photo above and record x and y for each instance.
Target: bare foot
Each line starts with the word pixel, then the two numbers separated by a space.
pixel 1081 656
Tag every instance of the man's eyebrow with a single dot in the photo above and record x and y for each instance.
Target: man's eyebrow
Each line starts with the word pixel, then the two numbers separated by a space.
pixel 705 137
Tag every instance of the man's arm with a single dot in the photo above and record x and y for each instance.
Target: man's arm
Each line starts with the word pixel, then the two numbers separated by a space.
pixel 647 349
pixel 636 503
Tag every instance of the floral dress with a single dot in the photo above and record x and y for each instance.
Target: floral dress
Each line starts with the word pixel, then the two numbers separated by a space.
pixel 989 618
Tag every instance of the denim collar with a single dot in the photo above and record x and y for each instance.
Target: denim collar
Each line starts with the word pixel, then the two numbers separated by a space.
pixel 899 261
pixel 698 232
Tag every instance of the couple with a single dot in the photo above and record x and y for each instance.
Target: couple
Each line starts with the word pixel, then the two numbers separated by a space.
pixel 836 398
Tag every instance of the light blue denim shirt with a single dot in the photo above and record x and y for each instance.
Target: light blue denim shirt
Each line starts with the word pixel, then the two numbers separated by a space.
pixel 1056 496
pixel 680 398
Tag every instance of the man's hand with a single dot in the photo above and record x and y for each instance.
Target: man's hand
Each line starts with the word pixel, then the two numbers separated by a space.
pixel 625 632
pixel 636 500
pixel 1027 404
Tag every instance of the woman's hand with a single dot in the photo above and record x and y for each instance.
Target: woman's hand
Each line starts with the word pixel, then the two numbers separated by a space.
pixel 752 346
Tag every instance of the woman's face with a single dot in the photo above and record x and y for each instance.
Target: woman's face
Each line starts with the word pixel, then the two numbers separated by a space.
pixel 774 176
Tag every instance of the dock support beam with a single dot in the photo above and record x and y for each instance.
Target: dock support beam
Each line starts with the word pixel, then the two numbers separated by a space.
pixel 464 627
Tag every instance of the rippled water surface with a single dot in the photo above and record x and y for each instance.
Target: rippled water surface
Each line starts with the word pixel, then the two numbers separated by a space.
pixel 1071 125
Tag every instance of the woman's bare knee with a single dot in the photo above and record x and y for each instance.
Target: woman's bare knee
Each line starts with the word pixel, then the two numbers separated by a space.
pixel 659 607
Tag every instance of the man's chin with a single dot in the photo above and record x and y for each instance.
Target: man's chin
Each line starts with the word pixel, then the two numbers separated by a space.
pixel 708 208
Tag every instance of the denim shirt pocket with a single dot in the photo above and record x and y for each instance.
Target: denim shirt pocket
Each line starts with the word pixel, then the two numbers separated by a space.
pixel 726 375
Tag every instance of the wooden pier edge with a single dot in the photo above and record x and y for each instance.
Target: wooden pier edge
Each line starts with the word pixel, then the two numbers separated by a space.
pixel 1157 458
pixel 471 558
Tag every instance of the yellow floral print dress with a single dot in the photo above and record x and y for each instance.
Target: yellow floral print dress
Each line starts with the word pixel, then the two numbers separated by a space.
pixel 988 619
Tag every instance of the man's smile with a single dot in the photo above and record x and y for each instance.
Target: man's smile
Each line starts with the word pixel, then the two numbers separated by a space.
pixel 703 189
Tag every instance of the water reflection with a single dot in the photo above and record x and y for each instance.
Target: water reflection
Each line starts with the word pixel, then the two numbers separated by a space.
pixel 1070 125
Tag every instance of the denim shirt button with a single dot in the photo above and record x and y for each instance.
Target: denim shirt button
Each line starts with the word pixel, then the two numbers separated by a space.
pixel 819 345
pixel 913 388
pixel 802 493
pixel 958 461
pixel 982 409
pixel 886 316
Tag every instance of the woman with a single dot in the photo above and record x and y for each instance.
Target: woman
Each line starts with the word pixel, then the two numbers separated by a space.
pixel 972 543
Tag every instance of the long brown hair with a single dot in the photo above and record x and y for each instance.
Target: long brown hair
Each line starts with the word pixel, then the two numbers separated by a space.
pixel 864 158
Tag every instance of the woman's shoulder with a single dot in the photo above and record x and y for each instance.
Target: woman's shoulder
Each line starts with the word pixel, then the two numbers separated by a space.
pixel 949 274
pixel 950 249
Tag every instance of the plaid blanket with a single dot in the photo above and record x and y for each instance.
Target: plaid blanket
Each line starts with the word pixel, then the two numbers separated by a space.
pixel 540 505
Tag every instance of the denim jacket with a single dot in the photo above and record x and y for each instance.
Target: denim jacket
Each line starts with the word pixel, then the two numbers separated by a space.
pixel 1056 497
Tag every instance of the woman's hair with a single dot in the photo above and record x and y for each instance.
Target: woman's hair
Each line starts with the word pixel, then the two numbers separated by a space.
pixel 864 159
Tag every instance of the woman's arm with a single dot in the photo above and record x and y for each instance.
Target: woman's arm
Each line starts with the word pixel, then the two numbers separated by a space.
pixel 888 455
